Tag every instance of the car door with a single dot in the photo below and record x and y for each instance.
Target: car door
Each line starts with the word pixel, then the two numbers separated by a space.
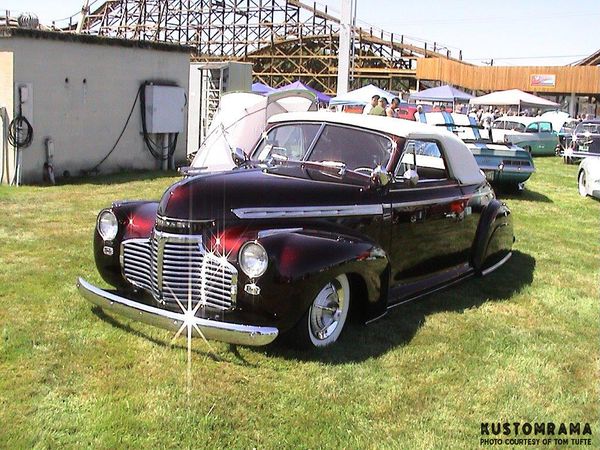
pixel 428 234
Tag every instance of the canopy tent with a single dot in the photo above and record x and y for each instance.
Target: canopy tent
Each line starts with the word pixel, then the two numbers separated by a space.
pixel 361 96
pixel 261 89
pixel 513 97
pixel 239 122
pixel 298 85
pixel 442 94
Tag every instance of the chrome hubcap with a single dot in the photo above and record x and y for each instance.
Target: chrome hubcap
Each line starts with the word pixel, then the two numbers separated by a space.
pixel 326 311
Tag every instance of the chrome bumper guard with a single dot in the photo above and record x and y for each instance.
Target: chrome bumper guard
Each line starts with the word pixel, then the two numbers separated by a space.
pixel 169 320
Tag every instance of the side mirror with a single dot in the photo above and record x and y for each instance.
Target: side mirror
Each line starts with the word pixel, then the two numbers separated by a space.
pixel 239 156
pixel 380 176
pixel 412 177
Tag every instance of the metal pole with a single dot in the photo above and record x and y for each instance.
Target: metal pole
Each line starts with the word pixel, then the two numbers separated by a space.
pixel 344 47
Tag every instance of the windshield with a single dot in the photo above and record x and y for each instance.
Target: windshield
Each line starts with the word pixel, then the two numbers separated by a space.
pixel 592 128
pixel 354 148
pixel 287 142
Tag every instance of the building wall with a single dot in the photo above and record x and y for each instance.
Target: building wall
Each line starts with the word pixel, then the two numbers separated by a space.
pixel 6 107
pixel 582 80
pixel 82 95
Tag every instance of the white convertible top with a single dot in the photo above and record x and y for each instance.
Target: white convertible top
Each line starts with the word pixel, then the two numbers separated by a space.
pixel 461 163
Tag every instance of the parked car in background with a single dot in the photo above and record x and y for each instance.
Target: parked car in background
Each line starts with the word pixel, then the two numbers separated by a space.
pixel 503 164
pixel 588 176
pixel 331 213
pixel 584 141
pixel 533 134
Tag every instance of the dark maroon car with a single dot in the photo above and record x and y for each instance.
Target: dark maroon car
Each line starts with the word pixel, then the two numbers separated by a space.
pixel 332 214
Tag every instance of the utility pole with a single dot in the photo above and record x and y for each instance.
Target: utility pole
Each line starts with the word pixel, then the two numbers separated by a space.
pixel 85 10
pixel 344 47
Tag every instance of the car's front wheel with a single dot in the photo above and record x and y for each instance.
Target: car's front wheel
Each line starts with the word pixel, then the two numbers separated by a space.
pixel 324 321
pixel 581 181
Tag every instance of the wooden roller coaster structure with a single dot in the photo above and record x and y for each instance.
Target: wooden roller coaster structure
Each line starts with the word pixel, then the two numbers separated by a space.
pixel 285 40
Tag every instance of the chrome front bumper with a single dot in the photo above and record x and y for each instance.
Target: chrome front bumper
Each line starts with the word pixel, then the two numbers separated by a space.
pixel 169 320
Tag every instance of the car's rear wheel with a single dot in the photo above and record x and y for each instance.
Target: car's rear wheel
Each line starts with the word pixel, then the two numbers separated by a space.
pixel 581 182
pixel 324 321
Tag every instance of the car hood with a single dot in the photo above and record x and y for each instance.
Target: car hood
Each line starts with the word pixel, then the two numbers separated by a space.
pixel 213 196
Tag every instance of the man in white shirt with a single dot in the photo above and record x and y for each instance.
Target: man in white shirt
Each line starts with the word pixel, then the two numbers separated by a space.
pixel 369 106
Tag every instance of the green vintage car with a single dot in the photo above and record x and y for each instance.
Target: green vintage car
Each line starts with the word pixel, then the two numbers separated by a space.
pixel 534 134
pixel 504 164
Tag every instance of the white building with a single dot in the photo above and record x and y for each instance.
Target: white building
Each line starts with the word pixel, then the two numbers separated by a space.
pixel 77 92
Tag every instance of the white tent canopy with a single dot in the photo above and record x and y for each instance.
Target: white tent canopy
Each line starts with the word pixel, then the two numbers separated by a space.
pixel 513 97
pixel 240 120
pixel 361 96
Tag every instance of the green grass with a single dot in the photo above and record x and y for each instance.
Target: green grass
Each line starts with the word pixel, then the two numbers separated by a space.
pixel 518 345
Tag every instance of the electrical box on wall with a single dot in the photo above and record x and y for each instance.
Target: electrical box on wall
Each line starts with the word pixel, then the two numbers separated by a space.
pixel 165 109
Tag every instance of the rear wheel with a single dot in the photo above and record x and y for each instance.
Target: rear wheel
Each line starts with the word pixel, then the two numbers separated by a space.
pixel 581 182
pixel 324 321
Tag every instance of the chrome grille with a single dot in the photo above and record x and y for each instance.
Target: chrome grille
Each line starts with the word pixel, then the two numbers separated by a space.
pixel 175 267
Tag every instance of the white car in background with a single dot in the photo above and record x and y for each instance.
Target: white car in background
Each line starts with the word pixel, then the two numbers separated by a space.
pixel 588 177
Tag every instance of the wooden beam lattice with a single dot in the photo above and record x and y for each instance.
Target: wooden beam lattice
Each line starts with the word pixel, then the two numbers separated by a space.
pixel 284 39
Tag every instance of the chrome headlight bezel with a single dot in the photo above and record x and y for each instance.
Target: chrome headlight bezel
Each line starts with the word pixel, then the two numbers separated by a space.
pixel 253 251
pixel 107 225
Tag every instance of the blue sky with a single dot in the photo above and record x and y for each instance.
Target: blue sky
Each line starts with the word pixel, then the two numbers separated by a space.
pixel 512 32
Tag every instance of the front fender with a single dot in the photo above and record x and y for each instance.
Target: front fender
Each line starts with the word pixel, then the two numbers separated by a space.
pixel 136 220
pixel 301 262
pixel 494 237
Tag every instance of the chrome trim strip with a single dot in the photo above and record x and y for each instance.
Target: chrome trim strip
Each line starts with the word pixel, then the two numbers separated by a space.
pixel 507 168
pixel 432 201
pixel 308 211
pixel 497 265
pixel 275 231
pixel 171 219
pixel 422 188
pixel 168 320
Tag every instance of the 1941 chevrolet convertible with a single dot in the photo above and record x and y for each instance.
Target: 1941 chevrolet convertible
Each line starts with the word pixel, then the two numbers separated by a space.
pixel 329 214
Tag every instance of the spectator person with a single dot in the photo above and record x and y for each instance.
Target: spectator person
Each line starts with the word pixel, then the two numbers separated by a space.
pixel 379 110
pixel 392 110
pixel 418 113
pixel 367 109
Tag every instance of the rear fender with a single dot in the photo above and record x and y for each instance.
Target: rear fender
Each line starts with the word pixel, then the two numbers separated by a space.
pixel 494 237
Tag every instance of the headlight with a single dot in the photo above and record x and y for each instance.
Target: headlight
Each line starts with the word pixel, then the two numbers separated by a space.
pixel 253 259
pixel 107 225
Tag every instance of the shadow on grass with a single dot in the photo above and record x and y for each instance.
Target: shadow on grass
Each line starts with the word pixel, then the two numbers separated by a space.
pixel 117 178
pixel 359 342
pixel 526 194
pixel 240 360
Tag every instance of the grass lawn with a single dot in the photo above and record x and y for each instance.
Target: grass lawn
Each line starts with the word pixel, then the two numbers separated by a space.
pixel 519 345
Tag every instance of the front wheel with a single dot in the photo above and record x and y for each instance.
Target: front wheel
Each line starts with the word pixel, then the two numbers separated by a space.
pixel 581 182
pixel 324 321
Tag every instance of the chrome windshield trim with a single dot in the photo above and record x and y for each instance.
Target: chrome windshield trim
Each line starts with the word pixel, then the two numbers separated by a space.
pixel 211 329
pixel 308 211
